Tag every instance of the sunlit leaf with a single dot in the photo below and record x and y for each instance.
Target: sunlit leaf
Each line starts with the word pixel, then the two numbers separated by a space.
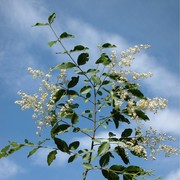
pixel 117 168
pixel 51 43
pixel 64 65
pixel 41 24
pixel 96 79
pixel 104 59
pixel 32 151
pixel 51 18
pixel 51 157
pixel 87 165
pixel 103 148
pixel 85 89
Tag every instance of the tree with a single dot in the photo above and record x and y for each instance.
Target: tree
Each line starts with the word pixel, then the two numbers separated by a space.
pixel 112 96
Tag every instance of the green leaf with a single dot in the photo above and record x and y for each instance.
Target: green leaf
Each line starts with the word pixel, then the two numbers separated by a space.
pixel 106 82
pixel 51 18
pixel 135 170
pixel 96 79
pixel 110 175
pixel 64 65
pixel 82 58
pixel 141 115
pixel 51 157
pixel 41 142
pixel 58 129
pixel 104 160
pixel 66 35
pixel 121 152
pixel 73 82
pixel 107 45
pixel 62 145
pixel 85 89
pixel 104 59
pixel 117 168
pixel 92 71
pixel 72 158
pixel 126 133
pixel 59 94
pixel 5 149
pixel 41 24
pixel 32 151
pixel 87 166
pixel 128 177
pixel 75 118
pixel 79 48
pixel 74 145
pixel 103 148
pixel 136 92
pixel 72 93
pixel 51 43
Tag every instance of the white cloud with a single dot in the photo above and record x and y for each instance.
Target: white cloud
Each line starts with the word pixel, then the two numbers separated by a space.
pixel 163 82
pixel 9 169
pixel 167 120
pixel 175 175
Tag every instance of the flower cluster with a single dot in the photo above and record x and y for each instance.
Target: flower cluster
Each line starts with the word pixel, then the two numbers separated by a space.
pixel 152 104
pixel 127 56
pixel 42 102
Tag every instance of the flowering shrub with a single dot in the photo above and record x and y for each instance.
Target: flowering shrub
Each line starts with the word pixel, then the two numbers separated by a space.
pixel 85 101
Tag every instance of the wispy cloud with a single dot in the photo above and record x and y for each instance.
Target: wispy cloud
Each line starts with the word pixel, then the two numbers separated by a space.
pixel 174 175
pixel 166 120
pixel 9 169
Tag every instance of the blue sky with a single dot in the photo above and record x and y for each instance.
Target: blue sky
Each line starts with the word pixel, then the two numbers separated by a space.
pixel 123 22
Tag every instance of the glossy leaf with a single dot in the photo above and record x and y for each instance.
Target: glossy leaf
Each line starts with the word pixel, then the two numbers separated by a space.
pixel 103 148
pixel 72 158
pixel 110 175
pixel 136 92
pixel 74 145
pixel 64 65
pixel 51 18
pixel 85 89
pixel 61 145
pixel 104 59
pixel 32 151
pixel 126 133
pixel 117 168
pixel 128 177
pixel 79 48
pixel 51 43
pixel 92 71
pixel 96 79
pixel 83 58
pixel 59 94
pixel 121 152
pixel 66 35
pixel 73 82
pixel 135 170
pixel 51 157
pixel 87 166
pixel 104 160
pixel 58 129
pixel 141 115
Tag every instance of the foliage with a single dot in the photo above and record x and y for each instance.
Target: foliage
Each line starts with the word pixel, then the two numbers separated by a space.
pixel 112 96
